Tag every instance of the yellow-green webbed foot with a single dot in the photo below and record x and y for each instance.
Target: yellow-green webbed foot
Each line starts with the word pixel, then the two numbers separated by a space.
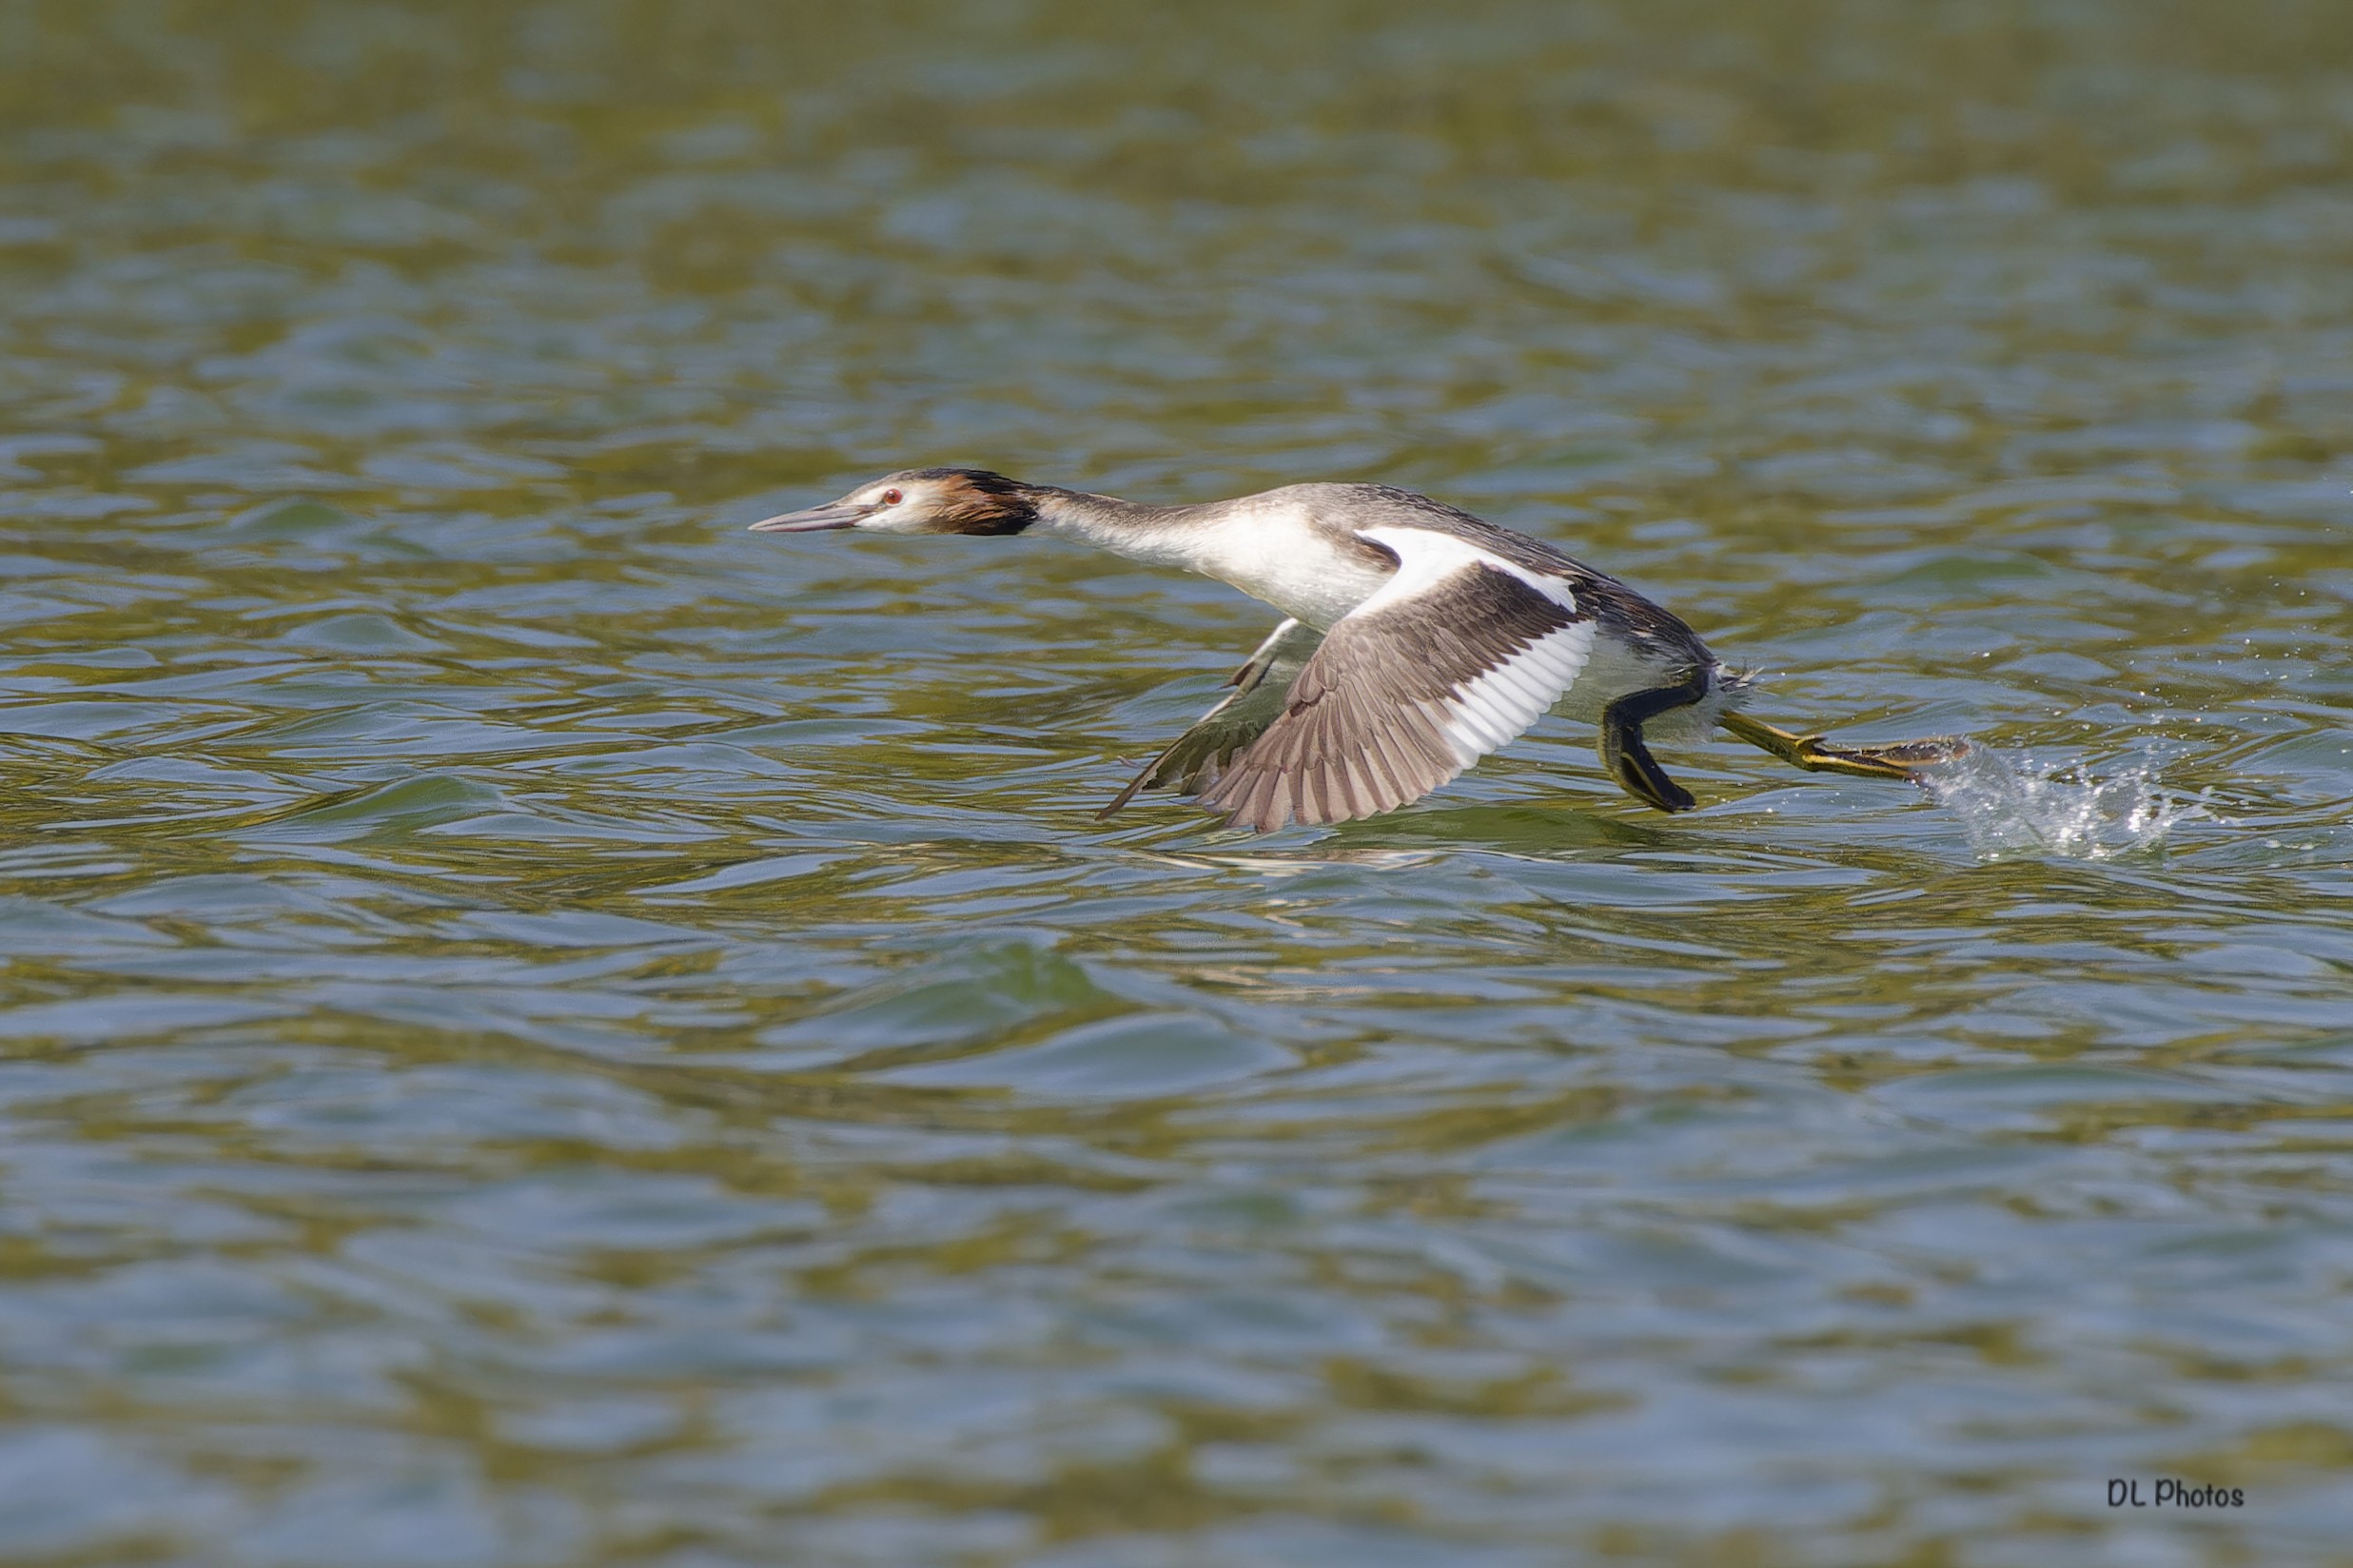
pixel 1903 759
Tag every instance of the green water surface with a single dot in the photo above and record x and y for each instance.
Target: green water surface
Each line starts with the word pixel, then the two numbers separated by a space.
pixel 541 1028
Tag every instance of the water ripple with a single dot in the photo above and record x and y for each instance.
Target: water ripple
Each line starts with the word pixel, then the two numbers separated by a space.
pixel 541 1028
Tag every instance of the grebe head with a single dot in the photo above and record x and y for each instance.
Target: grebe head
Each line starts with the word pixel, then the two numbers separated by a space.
pixel 920 501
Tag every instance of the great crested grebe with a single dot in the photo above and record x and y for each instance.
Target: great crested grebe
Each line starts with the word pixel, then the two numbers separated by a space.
pixel 1418 640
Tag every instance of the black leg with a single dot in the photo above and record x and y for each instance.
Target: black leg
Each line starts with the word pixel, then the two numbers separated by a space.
pixel 1629 761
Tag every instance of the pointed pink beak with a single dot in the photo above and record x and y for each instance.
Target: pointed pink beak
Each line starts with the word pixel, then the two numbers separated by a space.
pixel 816 519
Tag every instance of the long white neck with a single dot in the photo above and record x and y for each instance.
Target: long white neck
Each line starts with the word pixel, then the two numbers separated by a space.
pixel 1122 527
pixel 1157 536
pixel 1269 546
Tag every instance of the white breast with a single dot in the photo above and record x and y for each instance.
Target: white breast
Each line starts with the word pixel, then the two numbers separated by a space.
pixel 1276 555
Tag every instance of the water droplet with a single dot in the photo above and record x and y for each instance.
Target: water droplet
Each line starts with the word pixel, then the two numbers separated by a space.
pixel 2010 805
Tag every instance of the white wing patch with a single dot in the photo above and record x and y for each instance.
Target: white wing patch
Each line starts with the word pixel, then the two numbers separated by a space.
pixel 1497 708
pixel 1424 557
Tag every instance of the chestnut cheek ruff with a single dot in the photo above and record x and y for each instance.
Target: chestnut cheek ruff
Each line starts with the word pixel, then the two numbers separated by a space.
pixel 989 517
pixel 973 500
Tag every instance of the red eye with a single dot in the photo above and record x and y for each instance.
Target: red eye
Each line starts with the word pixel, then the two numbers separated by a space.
pixel 891 498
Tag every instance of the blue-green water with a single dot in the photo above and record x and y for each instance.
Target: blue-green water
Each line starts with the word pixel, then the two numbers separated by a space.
pixel 541 1028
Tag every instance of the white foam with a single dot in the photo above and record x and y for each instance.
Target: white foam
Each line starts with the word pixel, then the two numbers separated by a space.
pixel 2011 806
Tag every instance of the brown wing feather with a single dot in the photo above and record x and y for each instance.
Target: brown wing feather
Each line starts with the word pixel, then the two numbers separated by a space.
pixel 1195 759
pixel 1366 726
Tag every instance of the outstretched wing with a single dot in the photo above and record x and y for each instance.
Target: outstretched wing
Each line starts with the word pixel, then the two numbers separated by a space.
pixel 1454 656
pixel 1195 759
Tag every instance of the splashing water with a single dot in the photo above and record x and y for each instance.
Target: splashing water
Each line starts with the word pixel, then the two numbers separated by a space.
pixel 2010 805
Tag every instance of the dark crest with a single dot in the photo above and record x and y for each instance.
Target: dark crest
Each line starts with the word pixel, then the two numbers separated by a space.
pixel 975 500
